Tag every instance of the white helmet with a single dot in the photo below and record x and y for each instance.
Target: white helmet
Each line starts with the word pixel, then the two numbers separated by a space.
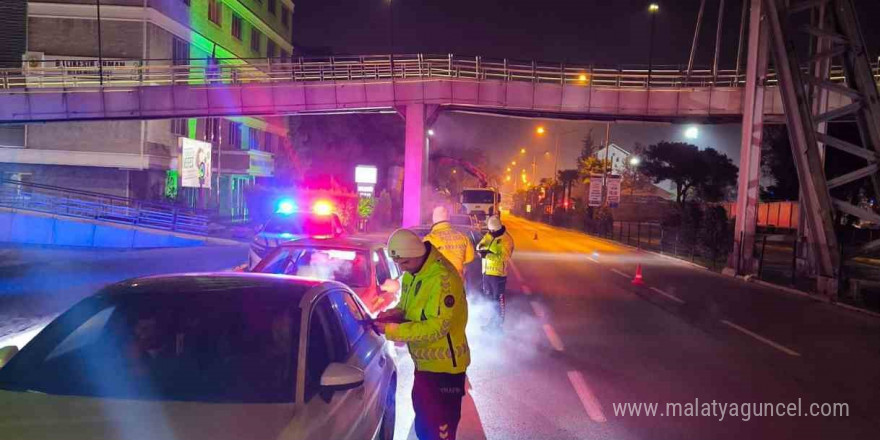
pixel 404 243
pixel 494 223
pixel 441 214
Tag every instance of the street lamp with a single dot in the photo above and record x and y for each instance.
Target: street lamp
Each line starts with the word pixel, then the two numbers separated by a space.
pixel 430 132
pixel 635 161
pixel 513 163
pixel 692 132
pixel 540 130
pixel 653 9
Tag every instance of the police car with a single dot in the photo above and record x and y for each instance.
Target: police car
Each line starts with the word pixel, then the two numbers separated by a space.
pixel 291 223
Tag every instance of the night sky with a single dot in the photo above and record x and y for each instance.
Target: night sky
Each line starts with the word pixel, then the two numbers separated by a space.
pixel 599 32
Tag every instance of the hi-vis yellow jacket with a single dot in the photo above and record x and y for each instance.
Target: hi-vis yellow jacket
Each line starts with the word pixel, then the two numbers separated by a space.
pixel 436 312
pixel 500 249
pixel 454 245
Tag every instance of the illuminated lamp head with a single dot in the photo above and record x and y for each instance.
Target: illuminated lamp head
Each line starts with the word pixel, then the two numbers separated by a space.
pixel 322 207
pixel 286 207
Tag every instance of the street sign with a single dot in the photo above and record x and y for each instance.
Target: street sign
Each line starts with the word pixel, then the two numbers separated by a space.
pixel 595 190
pixel 613 191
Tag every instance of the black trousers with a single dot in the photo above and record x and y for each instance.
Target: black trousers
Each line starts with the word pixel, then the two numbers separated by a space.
pixel 493 288
pixel 437 404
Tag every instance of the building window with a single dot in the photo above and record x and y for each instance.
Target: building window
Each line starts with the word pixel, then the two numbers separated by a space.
pixel 180 52
pixel 272 7
pixel 253 140
pixel 270 48
pixel 180 126
pixel 215 12
pixel 212 130
pixel 285 16
pixel 234 136
pixel 236 27
pixel 268 144
pixel 255 40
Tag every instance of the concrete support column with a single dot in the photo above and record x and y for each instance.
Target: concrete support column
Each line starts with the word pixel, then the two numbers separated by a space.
pixel 742 259
pixel 415 161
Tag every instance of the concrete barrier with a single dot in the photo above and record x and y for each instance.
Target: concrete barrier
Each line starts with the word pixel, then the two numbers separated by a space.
pixel 27 227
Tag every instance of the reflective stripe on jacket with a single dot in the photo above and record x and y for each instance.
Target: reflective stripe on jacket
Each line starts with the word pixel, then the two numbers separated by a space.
pixel 454 245
pixel 436 314
pixel 500 249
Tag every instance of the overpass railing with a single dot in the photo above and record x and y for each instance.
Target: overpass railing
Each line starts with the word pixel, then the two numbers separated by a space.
pixel 100 207
pixel 134 73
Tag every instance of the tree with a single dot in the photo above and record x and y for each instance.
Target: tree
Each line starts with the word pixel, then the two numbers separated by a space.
pixel 589 147
pixel 707 173
pixel 567 178
pixel 778 165
pixel 592 165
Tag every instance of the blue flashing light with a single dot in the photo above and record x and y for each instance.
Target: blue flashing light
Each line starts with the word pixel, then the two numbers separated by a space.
pixel 287 235
pixel 286 207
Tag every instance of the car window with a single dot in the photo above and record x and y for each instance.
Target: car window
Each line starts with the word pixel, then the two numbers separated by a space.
pixel 350 316
pixel 395 272
pixel 225 347
pixel 381 262
pixel 326 344
pixel 346 266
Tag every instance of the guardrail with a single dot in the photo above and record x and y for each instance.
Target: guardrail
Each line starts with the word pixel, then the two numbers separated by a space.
pixel 133 73
pixel 101 207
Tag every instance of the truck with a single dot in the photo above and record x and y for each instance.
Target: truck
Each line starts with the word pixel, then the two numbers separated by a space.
pixel 480 203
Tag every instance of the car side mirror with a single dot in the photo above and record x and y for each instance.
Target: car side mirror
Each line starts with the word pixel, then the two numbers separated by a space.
pixel 338 377
pixel 6 353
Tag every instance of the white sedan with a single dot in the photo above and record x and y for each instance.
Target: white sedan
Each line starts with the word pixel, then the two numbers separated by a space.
pixel 203 356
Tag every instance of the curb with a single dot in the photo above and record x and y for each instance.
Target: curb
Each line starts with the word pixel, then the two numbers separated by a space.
pixel 816 298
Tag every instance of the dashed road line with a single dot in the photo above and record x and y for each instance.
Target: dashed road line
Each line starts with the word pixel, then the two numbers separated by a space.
pixel 539 311
pixel 588 399
pixel 779 347
pixel 668 295
pixel 620 273
pixel 553 338
pixel 526 289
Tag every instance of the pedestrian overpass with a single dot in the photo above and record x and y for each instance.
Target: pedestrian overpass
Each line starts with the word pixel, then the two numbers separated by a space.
pixel 160 89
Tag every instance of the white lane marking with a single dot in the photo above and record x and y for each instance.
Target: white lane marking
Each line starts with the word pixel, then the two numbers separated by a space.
pixel 779 347
pixel 516 272
pixel 539 311
pixel 588 399
pixel 527 290
pixel 553 337
pixel 620 273
pixel 668 295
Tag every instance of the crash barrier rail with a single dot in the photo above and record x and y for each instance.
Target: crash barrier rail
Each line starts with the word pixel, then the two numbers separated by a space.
pixel 68 73
pixel 101 207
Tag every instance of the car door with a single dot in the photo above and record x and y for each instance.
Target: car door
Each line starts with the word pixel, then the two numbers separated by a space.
pixel 327 414
pixel 367 354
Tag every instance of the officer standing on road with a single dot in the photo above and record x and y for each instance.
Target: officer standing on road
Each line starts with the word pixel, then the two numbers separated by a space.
pixel 451 243
pixel 495 248
pixel 431 318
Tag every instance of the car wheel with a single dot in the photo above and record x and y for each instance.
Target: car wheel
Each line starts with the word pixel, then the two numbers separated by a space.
pixel 386 432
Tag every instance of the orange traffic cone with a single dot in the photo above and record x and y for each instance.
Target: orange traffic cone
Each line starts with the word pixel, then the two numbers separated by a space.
pixel 637 280
pixel 536 236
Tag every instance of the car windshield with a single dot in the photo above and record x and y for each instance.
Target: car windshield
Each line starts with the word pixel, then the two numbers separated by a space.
pixel 344 265
pixel 301 224
pixel 237 347
pixel 478 196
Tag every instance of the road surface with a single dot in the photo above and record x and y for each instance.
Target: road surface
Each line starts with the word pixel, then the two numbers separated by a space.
pixel 581 340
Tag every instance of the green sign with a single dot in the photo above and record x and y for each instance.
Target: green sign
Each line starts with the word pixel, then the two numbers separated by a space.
pixel 172 183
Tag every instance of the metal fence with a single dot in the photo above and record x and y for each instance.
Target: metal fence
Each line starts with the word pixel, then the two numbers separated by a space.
pixel 655 237
pixel 158 72
pixel 101 207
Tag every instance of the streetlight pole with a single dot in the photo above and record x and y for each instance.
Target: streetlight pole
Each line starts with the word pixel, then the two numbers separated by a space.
pixel 100 48
pixel 653 9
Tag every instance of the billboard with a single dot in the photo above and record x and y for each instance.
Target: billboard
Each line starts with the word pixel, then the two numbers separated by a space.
pixel 596 190
pixel 613 189
pixel 195 163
